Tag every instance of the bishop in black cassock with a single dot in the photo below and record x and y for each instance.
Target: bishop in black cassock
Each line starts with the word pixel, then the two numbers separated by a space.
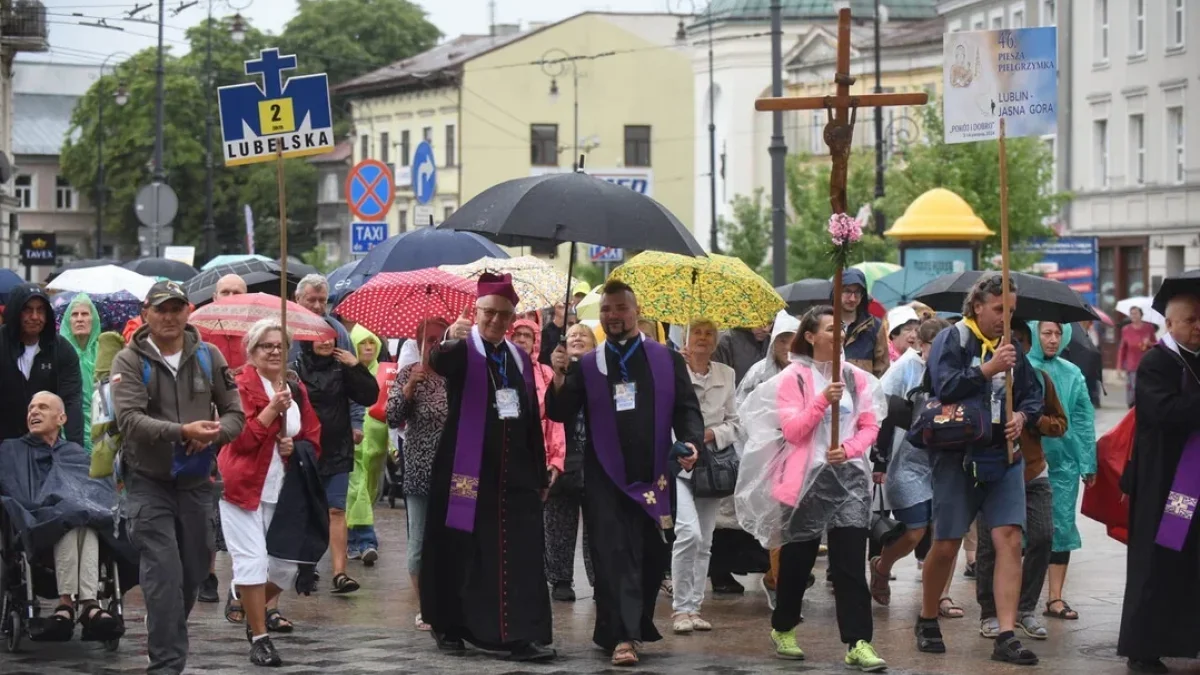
pixel 1161 614
pixel 482 579
pixel 634 392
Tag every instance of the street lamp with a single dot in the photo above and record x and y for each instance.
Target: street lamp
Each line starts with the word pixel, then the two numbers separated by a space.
pixel 555 63
pixel 237 32
pixel 681 37
pixel 120 97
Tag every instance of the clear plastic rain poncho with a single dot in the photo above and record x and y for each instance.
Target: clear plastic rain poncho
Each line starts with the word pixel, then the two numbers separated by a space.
pixel 787 490
pixel 910 470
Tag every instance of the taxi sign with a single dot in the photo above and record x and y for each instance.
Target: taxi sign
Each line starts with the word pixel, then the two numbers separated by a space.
pixel 257 122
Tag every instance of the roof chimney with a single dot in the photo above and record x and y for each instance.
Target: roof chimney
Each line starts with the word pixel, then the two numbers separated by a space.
pixel 504 29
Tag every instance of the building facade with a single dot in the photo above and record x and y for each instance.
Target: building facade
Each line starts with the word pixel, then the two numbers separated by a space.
pixel 333 214
pixel 23 28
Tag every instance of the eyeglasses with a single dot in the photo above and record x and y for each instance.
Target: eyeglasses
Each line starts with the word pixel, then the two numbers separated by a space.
pixel 271 348
pixel 856 292
pixel 502 314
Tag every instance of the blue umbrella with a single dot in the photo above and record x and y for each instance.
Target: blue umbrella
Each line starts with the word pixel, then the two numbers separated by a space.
pixel 898 288
pixel 339 280
pixel 419 249
pixel 8 280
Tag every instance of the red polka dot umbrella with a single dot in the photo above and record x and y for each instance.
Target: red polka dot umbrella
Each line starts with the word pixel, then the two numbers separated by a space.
pixel 233 316
pixel 393 304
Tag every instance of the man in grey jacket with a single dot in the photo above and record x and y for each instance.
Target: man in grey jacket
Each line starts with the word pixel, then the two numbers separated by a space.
pixel 166 385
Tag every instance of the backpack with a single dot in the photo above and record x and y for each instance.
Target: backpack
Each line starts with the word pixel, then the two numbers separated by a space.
pixel 202 355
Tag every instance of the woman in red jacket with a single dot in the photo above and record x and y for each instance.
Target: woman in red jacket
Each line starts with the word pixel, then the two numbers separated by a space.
pixel 278 414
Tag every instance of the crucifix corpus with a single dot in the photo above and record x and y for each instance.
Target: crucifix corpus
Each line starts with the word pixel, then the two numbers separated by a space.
pixel 842 110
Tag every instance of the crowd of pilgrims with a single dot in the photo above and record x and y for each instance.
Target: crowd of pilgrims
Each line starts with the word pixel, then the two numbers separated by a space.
pixel 688 454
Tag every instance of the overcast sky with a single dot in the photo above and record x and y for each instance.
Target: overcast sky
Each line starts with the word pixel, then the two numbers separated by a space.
pixel 74 43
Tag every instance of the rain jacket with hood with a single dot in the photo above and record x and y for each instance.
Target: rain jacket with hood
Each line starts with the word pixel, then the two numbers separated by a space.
pixel 1073 455
pixel 151 416
pixel 332 388
pixel 87 359
pixel 370 456
pixel 740 350
pixel 543 375
pixel 55 369
pixel 866 339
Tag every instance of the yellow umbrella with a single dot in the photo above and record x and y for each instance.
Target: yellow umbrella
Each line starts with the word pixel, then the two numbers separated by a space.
pixel 677 289
pixel 538 283
pixel 589 306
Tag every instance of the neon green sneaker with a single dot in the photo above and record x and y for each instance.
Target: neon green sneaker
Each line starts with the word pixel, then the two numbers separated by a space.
pixel 785 645
pixel 864 658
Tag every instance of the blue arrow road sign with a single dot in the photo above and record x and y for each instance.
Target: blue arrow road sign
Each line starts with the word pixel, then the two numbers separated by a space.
pixel 364 236
pixel 424 173
pixel 605 254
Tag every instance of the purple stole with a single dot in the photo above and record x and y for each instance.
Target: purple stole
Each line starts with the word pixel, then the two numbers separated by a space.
pixel 472 420
pixel 654 497
pixel 1184 494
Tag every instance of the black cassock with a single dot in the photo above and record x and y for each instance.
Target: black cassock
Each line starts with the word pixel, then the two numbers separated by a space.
pixel 1161 614
pixel 630 554
pixel 488 587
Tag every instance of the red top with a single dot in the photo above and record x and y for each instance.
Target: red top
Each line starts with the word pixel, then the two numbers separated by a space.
pixel 1134 343
pixel 245 461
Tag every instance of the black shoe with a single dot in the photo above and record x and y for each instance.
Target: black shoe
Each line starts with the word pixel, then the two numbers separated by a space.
pixel 563 592
pixel 449 643
pixel 1009 649
pixel 726 584
pixel 533 651
pixel 1146 665
pixel 969 572
pixel 262 653
pixel 929 637
pixel 208 590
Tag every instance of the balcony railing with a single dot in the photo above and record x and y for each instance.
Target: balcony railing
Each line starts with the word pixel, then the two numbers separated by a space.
pixel 23 26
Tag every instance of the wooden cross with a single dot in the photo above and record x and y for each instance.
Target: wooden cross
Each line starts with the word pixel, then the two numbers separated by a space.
pixel 842 109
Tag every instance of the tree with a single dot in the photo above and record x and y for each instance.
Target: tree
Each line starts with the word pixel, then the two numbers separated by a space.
pixel 748 235
pixel 972 170
pixel 808 193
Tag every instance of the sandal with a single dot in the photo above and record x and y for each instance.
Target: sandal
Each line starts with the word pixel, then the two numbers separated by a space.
pixel 420 624
pixel 59 626
pixel 233 609
pixel 343 584
pixel 667 588
pixel 1065 613
pixel 98 624
pixel 1012 651
pixel 276 623
pixel 949 609
pixel 625 655
pixel 881 589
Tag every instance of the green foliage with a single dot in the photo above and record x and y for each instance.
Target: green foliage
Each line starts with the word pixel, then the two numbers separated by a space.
pixel 318 258
pixel 748 235
pixel 589 272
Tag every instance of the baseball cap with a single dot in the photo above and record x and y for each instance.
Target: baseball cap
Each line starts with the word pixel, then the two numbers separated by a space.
pixel 164 291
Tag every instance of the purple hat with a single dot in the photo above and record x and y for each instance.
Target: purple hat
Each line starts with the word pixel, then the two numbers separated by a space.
pixel 497 284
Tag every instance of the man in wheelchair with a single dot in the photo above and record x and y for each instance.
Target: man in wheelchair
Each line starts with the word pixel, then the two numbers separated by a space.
pixel 52 504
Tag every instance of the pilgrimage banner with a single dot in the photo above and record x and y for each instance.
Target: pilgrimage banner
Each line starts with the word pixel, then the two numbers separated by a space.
pixel 1000 73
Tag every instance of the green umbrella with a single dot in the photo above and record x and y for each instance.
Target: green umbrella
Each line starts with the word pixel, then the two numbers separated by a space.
pixel 874 271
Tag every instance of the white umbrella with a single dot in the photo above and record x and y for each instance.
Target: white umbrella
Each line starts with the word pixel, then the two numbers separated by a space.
pixel 1142 302
pixel 103 279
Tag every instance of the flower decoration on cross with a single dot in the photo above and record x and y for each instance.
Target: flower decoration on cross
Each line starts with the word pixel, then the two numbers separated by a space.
pixel 844 231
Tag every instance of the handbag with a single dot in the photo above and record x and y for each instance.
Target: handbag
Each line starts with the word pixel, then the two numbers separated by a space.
pixel 884 530
pixel 715 475
pixel 1106 501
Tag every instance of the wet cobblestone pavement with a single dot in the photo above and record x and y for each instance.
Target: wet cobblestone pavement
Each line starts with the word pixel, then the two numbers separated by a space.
pixel 372 630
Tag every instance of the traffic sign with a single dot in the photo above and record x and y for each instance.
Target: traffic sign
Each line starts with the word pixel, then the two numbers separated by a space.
pixel 259 122
pixel 603 254
pixel 423 215
pixel 156 205
pixel 364 236
pixel 370 191
pixel 424 174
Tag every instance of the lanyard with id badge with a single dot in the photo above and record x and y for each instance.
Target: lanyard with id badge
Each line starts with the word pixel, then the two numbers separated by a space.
pixel 625 392
pixel 508 406
pixel 996 386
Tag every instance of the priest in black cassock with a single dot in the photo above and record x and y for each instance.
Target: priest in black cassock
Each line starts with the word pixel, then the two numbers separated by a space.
pixel 634 393
pixel 1161 614
pixel 482 579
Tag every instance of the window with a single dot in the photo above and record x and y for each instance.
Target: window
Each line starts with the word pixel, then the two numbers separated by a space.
pixel 1101 19
pixel 1137 149
pixel 996 19
pixel 1137 36
pixel 64 195
pixel 955 25
pixel 364 147
pixel 543 142
pixel 329 189
pixel 447 212
pixel 1049 12
pixel 1016 16
pixel 385 148
pixel 1175 144
pixel 1051 185
pixel 1176 255
pixel 450 161
pixel 1133 264
pixel 405 150
pixel 1176 28
pixel 637 145
pixel 23 191
pixel 404 220
pixel 978 22
pixel 427 134
pixel 816 134
pixel 1100 152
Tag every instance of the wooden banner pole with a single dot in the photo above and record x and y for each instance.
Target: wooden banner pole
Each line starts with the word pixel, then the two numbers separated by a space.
pixel 1005 276
pixel 283 250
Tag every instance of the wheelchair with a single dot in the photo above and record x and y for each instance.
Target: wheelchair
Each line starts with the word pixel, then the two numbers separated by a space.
pixel 27 579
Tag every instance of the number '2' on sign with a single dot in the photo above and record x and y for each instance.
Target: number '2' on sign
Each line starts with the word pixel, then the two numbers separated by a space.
pixel 276 116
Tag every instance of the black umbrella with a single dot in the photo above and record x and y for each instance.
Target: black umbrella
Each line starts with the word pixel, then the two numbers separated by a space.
pixel 300 268
pixel 162 267
pixel 572 207
pixel 1038 299
pixel 800 295
pixel 261 276
pixel 1186 283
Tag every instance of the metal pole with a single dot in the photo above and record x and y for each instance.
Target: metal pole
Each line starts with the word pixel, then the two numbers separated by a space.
pixel 778 151
pixel 210 228
pixel 100 165
pixel 575 133
pixel 713 244
pixel 880 225
pixel 160 101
